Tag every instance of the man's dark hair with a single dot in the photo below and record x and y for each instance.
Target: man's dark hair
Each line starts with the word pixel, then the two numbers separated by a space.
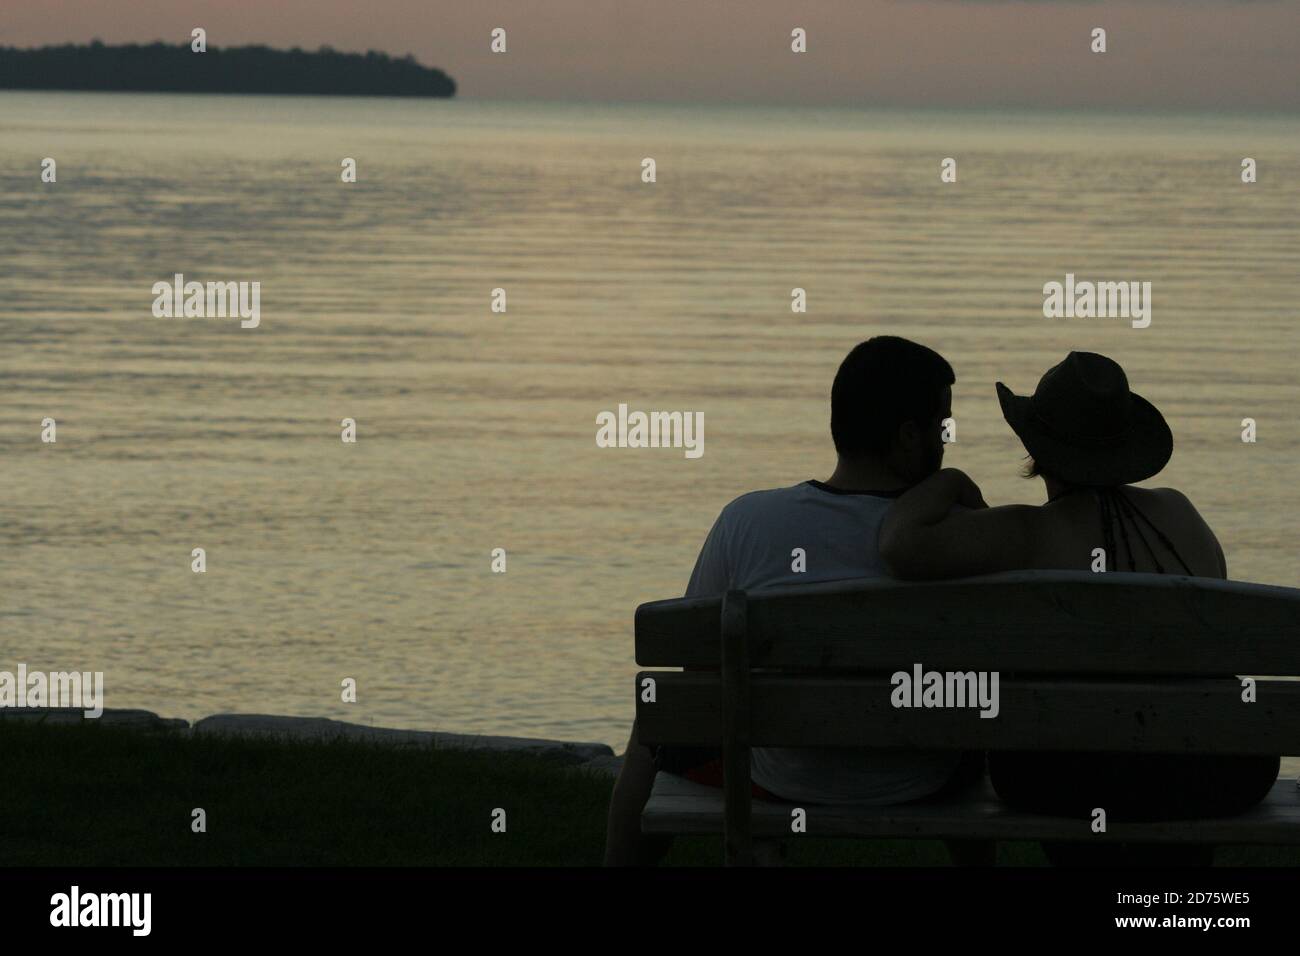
pixel 884 382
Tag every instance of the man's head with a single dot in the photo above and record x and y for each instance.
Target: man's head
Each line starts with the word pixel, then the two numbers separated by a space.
pixel 887 404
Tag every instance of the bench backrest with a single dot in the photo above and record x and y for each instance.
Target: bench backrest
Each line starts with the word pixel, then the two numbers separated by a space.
pixel 1089 662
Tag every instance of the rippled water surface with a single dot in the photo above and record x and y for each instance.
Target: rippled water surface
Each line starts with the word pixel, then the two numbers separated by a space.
pixel 476 429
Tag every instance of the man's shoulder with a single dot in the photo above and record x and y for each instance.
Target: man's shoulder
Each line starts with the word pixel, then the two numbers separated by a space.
pixel 765 500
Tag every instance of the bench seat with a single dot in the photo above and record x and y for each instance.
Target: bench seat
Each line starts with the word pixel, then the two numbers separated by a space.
pixel 680 806
pixel 1074 662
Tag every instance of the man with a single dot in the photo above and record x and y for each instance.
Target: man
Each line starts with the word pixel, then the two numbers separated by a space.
pixel 888 403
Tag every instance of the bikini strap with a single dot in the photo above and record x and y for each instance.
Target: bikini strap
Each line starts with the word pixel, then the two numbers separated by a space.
pixel 1112 517
pixel 1134 509
pixel 1126 509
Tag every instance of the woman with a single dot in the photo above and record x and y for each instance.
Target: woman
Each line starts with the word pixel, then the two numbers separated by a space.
pixel 1089 438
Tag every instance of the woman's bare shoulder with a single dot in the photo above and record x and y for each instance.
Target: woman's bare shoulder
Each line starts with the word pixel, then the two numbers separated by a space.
pixel 1169 499
pixel 1174 513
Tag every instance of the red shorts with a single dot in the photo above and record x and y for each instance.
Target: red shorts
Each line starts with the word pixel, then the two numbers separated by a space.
pixel 710 774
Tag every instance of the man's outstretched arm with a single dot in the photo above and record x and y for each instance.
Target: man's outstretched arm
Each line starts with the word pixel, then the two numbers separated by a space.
pixel 942 528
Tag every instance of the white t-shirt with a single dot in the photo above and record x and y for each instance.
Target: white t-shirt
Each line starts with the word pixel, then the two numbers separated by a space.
pixel 750 547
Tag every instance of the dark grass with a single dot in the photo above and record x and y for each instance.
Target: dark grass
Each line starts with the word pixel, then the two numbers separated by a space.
pixel 90 795
pixel 99 796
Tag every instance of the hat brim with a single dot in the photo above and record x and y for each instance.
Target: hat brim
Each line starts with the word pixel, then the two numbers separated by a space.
pixel 1139 454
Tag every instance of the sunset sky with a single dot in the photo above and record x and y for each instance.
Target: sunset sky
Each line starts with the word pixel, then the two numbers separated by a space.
pixel 1163 54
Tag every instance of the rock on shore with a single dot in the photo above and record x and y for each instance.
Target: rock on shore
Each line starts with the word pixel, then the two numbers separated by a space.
pixel 134 719
pixel 593 756
pixel 321 728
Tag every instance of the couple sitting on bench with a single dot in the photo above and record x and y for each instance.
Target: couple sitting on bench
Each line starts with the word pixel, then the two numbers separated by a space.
pixel 890 510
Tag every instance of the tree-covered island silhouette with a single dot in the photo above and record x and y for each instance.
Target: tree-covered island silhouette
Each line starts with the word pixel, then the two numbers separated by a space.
pixel 163 68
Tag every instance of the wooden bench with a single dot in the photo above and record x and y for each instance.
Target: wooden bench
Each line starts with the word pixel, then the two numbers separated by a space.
pixel 1087 662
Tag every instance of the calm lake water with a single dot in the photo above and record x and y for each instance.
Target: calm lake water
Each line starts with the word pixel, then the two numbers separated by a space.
pixel 476 429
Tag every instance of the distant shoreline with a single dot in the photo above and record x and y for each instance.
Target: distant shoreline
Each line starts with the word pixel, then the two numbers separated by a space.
pixel 162 68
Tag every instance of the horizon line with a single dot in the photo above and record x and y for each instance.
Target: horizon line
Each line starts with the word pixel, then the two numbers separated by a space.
pixel 464 98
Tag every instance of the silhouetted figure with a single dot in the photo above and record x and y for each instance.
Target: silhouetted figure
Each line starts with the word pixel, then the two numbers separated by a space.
pixel 888 402
pixel 1089 437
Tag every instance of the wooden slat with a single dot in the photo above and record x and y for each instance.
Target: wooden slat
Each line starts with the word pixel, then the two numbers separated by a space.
pixel 677 806
pixel 1170 716
pixel 738 847
pixel 1030 622
pixel 663 628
